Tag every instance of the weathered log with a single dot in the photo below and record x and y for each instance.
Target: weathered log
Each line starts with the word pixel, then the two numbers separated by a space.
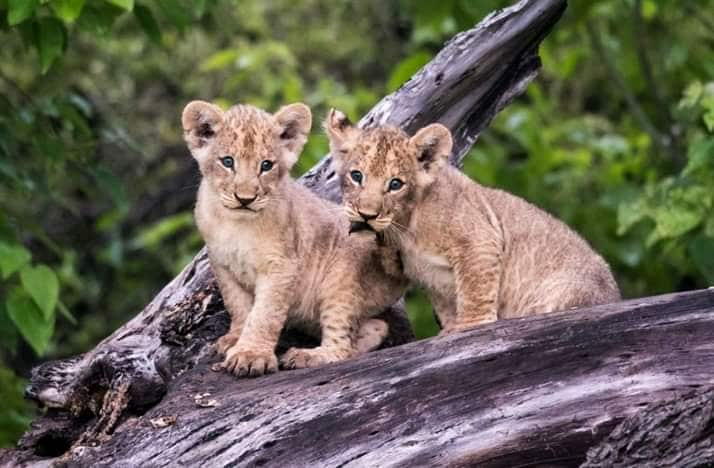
pixel 475 75
pixel 677 433
pixel 537 391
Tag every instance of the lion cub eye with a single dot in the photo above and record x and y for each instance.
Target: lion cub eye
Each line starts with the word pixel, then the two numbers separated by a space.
pixel 395 184
pixel 266 165
pixel 356 176
pixel 227 161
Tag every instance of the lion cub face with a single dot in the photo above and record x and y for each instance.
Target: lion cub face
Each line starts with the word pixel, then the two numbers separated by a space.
pixel 384 172
pixel 245 153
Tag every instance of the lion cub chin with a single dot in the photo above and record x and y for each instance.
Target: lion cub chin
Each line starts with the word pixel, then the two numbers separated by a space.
pixel 480 253
pixel 280 253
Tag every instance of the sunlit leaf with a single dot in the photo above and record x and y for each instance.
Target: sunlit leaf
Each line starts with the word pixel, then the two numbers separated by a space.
pixel 19 10
pixel 12 258
pixel 127 5
pixel 220 59
pixel 700 155
pixel 153 235
pixel 29 320
pixel 67 10
pixel 41 283
pixel 692 94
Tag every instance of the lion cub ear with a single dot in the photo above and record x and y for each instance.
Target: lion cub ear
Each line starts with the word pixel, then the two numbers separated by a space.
pixel 294 123
pixel 433 145
pixel 201 122
pixel 341 134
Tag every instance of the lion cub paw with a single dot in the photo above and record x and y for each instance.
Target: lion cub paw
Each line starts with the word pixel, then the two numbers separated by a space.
pixel 226 342
pixel 247 362
pixel 299 358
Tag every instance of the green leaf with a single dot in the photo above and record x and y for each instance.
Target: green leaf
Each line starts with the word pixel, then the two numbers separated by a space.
pixel 19 10
pixel 12 258
pixel 49 40
pixel 673 222
pixel 629 214
pixel 692 94
pixel 682 208
pixel 42 285
pixel 153 235
pixel 406 68
pixel 708 118
pixel 27 317
pixel 699 155
pixel 127 5
pixel 701 249
pixel 98 18
pixel 220 59
pixel 68 10
pixel 148 23
pixel 175 12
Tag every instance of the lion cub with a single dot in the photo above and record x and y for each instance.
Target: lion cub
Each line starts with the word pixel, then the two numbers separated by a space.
pixel 480 253
pixel 280 253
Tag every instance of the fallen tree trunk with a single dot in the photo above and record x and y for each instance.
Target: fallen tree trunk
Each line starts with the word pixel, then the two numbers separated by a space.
pixel 538 391
pixel 475 75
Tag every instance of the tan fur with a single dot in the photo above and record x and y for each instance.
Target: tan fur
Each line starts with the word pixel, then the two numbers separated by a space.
pixel 480 253
pixel 286 256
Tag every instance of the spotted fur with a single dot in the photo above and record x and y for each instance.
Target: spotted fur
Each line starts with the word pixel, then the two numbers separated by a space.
pixel 285 256
pixel 480 253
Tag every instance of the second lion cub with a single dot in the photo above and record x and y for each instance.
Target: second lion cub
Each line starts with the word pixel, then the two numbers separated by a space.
pixel 480 253
pixel 280 253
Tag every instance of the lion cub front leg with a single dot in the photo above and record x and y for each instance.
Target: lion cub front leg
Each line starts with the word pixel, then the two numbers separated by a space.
pixel 254 353
pixel 477 274
pixel 339 322
pixel 238 303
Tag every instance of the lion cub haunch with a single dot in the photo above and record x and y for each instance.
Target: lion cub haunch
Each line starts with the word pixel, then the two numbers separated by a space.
pixel 480 253
pixel 280 253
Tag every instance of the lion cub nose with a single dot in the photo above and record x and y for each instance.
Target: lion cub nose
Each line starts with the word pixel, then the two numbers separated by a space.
pixel 245 201
pixel 368 216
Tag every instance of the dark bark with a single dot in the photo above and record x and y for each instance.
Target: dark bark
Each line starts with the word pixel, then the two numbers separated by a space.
pixel 674 433
pixel 165 351
pixel 538 391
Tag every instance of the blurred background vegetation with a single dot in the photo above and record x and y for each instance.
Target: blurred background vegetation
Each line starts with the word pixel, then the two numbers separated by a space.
pixel 615 136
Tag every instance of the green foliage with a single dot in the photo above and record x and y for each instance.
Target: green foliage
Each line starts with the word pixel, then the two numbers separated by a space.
pixel 96 188
pixel 677 210
pixel 14 417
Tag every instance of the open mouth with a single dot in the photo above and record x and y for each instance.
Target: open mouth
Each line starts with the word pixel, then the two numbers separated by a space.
pixel 357 226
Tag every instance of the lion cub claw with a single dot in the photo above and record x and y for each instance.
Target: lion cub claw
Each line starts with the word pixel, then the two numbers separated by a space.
pixel 250 363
